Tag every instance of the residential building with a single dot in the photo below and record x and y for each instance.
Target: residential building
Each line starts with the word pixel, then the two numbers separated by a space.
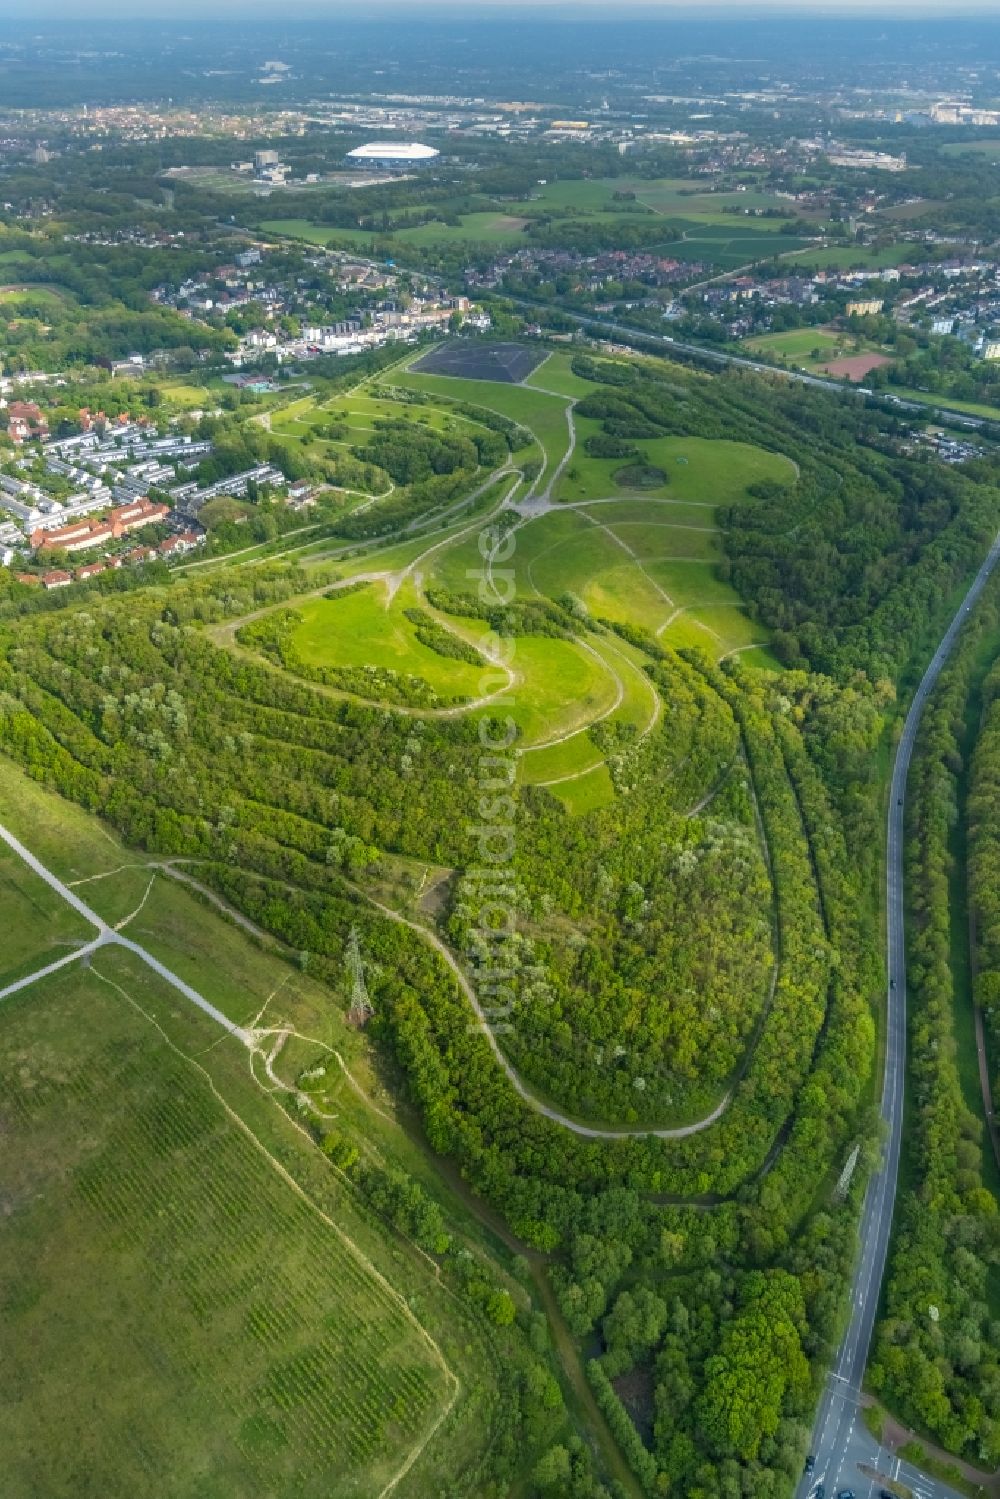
pixel 24 420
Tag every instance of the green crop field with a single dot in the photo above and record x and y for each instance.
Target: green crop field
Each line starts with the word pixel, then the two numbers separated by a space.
pixel 856 257
pixel 491 228
pixel 39 928
pixel 725 247
pixel 195 1323
pixel 673 196
pixel 209 1308
pixel 988 147
pixel 970 408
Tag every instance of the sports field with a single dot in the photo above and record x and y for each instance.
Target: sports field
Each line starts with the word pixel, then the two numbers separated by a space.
pixel 807 347
pixel 15 299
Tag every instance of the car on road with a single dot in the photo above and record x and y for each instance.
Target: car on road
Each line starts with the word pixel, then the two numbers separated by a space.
pixel 845 1494
pixel 887 1494
pixel 810 1463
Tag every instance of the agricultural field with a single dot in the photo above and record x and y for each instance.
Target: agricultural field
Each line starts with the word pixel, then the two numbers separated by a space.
pixel 671 197
pixel 489 228
pixel 970 408
pixel 854 257
pixel 729 244
pixel 208 1307
pixel 192 1317
pixel 39 927
pixel 989 147
pixel 704 227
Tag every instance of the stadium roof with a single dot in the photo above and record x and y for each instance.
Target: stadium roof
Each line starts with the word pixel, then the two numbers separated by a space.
pixel 393 151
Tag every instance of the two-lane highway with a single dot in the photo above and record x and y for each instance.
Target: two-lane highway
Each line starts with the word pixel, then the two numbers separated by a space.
pixel 667 346
pixel 841 1443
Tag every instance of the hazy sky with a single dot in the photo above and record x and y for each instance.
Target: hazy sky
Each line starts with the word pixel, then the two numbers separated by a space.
pixel 289 10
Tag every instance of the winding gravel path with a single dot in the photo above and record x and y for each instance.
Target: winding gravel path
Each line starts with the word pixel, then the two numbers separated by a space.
pixel 588 1131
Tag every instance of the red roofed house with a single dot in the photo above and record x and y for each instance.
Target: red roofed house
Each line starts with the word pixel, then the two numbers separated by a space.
pixel 24 419
pixel 91 532
pixel 176 546
pixel 75 538
pixel 56 579
pixel 139 513
pixel 90 570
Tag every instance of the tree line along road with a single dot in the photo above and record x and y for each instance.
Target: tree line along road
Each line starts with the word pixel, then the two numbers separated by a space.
pixel 841 1443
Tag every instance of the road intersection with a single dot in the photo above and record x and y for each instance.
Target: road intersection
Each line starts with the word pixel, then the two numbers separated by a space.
pixel 107 936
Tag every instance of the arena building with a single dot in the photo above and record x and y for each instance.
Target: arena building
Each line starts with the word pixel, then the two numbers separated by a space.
pixel 392 154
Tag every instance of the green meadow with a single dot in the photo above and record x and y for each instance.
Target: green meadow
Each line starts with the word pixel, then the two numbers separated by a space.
pixel 488 228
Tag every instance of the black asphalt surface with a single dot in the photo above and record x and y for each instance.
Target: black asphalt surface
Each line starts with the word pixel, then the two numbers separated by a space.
pixel 464 360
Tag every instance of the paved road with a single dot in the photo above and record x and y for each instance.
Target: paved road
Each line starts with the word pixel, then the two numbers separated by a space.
pixel 739 361
pixel 107 937
pixel 841 1442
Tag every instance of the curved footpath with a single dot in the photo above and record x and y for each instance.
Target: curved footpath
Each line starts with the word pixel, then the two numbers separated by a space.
pixel 841 1443
pixel 590 1132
